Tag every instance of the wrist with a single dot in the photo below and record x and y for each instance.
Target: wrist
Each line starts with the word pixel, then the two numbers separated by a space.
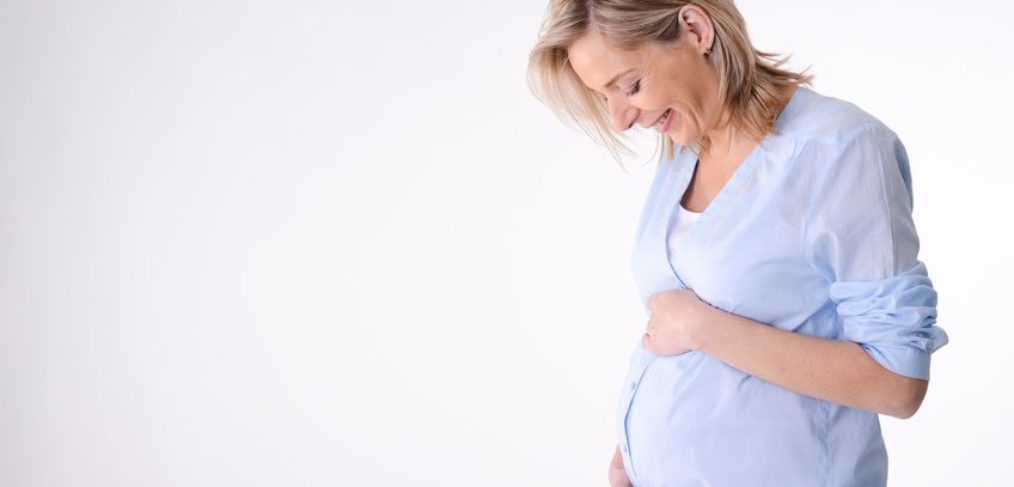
pixel 710 324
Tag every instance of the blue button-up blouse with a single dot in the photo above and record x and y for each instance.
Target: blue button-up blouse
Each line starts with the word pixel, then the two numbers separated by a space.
pixel 813 233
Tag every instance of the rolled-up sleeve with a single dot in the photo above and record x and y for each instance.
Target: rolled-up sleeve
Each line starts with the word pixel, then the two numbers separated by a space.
pixel 860 235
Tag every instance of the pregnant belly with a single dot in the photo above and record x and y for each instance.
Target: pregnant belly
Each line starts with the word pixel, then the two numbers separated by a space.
pixel 694 420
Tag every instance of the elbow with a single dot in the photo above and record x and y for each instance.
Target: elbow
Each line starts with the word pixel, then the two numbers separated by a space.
pixel 902 412
pixel 906 396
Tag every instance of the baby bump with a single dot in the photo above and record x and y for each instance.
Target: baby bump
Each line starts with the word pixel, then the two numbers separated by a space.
pixel 694 419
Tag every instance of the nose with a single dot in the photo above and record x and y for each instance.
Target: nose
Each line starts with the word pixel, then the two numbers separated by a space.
pixel 624 115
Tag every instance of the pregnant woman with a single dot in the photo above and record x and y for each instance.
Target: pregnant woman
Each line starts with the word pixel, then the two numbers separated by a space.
pixel 776 254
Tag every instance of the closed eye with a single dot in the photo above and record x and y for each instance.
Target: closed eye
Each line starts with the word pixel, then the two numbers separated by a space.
pixel 634 88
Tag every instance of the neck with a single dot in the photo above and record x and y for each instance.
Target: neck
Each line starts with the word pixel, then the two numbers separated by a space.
pixel 724 138
pixel 727 139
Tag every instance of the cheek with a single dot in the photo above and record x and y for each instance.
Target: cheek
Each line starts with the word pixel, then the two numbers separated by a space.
pixel 651 102
pixel 682 130
pixel 689 121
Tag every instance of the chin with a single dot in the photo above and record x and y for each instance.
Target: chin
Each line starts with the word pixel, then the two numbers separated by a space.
pixel 681 139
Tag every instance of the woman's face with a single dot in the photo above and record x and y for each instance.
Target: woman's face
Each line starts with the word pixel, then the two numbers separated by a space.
pixel 669 88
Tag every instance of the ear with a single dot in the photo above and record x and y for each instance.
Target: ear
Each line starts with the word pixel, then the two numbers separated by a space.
pixel 697 28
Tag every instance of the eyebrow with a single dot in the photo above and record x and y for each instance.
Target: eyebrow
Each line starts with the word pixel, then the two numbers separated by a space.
pixel 610 83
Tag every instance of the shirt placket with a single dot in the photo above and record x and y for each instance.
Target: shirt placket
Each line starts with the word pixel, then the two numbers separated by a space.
pixel 643 361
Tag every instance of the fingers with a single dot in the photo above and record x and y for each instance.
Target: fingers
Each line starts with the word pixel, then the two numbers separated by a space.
pixel 647 344
pixel 652 325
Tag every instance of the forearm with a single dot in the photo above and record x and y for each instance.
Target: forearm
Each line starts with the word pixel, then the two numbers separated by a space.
pixel 837 371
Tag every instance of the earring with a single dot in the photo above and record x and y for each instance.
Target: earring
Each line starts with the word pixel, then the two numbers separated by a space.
pixel 707 52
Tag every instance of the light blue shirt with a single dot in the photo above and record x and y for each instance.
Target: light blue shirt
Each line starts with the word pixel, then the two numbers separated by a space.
pixel 813 233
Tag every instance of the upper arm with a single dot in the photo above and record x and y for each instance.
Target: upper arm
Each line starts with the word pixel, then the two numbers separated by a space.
pixel 859 234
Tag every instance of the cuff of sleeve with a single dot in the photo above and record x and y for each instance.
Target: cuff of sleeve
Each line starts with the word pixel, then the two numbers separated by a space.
pixel 906 361
pixel 893 319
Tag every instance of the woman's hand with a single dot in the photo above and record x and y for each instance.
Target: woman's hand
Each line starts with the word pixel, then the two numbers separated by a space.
pixel 618 476
pixel 677 321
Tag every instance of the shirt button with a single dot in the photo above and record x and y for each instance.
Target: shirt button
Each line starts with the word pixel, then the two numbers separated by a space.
pixel 624 448
pixel 633 385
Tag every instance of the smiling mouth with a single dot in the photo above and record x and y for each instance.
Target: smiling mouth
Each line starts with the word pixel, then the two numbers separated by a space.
pixel 661 118
pixel 660 124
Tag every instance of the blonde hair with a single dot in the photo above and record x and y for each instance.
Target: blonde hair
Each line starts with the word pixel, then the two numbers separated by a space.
pixel 751 82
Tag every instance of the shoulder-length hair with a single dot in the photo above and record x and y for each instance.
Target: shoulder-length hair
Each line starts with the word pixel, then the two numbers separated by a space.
pixel 751 82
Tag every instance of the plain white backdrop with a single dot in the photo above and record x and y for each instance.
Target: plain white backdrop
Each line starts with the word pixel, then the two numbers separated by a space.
pixel 309 243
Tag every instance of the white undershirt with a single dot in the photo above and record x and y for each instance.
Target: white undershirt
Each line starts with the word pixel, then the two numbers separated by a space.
pixel 684 220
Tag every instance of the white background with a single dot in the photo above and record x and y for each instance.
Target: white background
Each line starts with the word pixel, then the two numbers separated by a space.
pixel 269 243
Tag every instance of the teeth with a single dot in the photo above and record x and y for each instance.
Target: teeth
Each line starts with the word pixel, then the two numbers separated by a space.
pixel 661 119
